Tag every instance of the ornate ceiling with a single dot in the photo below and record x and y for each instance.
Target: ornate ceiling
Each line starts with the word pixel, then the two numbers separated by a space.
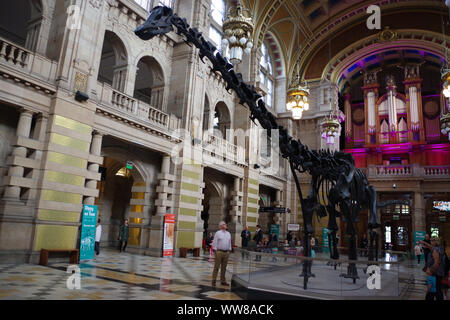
pixel 303 28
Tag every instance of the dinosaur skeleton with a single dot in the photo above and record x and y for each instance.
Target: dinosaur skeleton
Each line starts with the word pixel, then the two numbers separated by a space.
pixel 336 182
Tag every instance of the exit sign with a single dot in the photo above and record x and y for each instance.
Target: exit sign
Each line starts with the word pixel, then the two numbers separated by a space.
pixel 129 165
pixel 396 217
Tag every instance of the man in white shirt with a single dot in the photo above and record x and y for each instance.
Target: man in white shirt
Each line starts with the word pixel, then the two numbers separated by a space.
pixel 98 236
pixel 222 248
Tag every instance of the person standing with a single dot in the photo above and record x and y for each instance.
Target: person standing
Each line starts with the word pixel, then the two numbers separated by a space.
pixel 273 242
pixel 124 234
pixel 258 237
pixel 98 236
pixel 289 236
pixel 418 252
pixel 436 264
pixel 246 236
pixel 222 248
pixel 313 245
pixel 209 239
pixel 426 249
pixel 431 286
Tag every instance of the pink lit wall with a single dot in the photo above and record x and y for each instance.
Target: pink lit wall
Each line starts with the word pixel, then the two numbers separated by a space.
pixel 437 157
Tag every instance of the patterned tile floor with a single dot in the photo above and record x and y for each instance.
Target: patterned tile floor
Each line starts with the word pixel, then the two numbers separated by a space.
pixel 125 276
pixel 113 275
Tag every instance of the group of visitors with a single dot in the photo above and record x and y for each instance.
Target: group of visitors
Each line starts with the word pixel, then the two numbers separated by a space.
pixel 124 234
pixel 436 267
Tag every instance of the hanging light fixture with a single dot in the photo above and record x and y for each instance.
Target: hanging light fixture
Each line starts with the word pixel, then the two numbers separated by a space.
pixel 297 98
pixel 330 126
pixel 238 33
pixel 298 92
pixel 445 76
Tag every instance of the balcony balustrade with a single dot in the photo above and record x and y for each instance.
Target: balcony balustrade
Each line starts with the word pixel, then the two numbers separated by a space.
pixel 134 108
pixel 26 61
pixel 414 171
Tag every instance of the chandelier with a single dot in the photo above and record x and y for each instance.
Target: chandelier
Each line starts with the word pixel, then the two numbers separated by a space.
pixel 297 98
pixel 445 74
pixel 445 118
pixel 330 127
pixel 238 34
pixel 445 125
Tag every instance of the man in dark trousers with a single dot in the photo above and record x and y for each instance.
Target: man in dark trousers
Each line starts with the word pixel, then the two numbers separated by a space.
pixel 426 249
pixel 258 239
pixel 124 234
pixel 246 236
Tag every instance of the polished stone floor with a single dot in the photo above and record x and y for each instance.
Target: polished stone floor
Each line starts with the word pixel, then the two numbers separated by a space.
pixel 125 276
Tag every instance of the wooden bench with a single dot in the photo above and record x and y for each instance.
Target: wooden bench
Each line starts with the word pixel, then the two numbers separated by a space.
pixel 195 251
pixel 73 254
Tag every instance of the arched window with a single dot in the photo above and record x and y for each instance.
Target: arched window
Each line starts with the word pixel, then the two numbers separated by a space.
pixel 149 84
pixel 149 4
pixel 20 22
pixel 206 115
pixel 221 121
pixel 266 75
pixel 167 3
pixel 218 12
pixel 113 64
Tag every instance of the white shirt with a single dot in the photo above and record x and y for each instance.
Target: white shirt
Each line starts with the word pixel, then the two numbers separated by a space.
pixel 222 241
pixel 98 233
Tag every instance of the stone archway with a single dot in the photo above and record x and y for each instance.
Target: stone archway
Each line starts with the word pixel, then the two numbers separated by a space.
pixel 128 193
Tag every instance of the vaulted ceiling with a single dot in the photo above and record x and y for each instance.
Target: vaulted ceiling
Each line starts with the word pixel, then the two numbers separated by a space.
pixel 303 28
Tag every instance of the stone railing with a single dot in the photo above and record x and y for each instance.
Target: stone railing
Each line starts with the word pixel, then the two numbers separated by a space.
pixel 17 57
pixel 219 147
pixel 400 170
pixel 437 171
pixel 134 108
pixel 408 171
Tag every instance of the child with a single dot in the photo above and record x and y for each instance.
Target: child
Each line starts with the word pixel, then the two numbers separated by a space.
pixel 431 286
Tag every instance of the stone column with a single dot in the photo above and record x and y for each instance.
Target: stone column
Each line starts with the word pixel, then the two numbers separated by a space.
pixel 96 148
pixel 163 184
pixel 23 130
pixel 236 223
pixel 164 204
pixel 418 215
pixel 39 134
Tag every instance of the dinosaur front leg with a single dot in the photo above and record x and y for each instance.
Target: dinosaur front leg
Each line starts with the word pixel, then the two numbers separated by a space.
pixel 333 227
pixel 347 210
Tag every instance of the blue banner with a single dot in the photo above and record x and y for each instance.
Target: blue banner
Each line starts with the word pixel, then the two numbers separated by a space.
pixel 325 247
pixel 88 227
pixel 275 228
pixel 419 235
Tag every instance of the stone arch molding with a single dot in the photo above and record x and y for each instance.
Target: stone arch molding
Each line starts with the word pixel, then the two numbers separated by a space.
pixel 119 155
pixel 407 39
pixel 279 71
pixel 159 60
